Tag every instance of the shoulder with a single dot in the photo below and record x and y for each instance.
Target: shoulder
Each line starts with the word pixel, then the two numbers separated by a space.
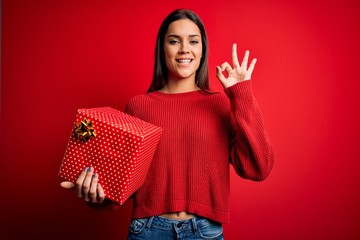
pixel 135 99
pixel 141 98
pixel 133 103
pixel 217 97
pixel 137 102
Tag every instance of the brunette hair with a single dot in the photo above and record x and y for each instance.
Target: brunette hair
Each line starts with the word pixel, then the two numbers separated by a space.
pixel 160 69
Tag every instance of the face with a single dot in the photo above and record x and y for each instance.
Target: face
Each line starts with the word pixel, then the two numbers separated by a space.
pixel 183 49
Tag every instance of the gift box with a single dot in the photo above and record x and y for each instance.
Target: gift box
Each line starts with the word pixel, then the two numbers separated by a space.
pixel 118 146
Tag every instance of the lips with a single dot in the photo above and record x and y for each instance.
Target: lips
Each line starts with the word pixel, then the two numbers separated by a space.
pixel 184 60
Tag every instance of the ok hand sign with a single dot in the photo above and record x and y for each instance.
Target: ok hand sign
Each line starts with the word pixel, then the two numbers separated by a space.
pixel 237 74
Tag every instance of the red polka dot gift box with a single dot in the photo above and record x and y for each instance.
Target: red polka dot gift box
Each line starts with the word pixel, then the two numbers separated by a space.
pixel 118 146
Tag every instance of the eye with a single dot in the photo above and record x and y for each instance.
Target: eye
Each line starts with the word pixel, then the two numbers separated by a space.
pixel 194 42
pixel 172 42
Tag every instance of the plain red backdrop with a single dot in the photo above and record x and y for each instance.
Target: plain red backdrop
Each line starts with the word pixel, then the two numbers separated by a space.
pixel 61 55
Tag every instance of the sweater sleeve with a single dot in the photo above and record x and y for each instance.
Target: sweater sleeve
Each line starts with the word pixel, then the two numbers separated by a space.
pixel 128 108
pixel 251 153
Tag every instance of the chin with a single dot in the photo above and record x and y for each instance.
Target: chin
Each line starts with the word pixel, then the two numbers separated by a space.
pixel 184 74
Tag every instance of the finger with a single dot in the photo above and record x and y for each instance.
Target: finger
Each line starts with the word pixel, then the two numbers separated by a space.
pixel 235 60
pixel 79 183
pixel 226 67
pixel 67 185
pixel 93 188
pixel 251 68
pixel 245 59
pixel 100 193
pixel 86 184
pixel 220 75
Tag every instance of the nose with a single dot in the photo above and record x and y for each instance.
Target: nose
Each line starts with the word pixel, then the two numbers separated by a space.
pixel 184 48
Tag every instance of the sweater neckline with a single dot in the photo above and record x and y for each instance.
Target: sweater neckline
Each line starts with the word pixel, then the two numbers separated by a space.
pixel 178 96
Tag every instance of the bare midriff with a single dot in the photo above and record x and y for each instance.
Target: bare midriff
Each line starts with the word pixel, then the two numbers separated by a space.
pixel 178 215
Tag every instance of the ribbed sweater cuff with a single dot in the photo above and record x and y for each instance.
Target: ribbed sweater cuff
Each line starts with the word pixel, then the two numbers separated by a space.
pixel 241 91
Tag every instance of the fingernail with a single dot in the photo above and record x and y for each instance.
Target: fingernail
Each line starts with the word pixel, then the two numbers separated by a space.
pixel 86 169
pixel 95 175
pixel 89 169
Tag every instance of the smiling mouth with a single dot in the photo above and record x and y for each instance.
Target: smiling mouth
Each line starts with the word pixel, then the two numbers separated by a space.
pixel 184 60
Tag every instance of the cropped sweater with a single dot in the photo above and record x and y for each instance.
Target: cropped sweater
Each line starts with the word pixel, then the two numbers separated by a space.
pixel 203 133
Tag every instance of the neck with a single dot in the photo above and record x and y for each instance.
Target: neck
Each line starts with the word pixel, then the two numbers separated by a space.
pixel 180 85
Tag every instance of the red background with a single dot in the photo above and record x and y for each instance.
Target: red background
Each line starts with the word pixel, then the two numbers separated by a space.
pixel 61 55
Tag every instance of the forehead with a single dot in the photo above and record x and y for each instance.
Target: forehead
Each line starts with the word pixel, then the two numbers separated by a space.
pixel 183 27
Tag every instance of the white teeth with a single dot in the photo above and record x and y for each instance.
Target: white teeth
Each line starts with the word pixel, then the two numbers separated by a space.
pixel 184 60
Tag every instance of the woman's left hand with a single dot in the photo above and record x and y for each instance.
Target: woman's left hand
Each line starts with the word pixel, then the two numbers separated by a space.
pixel 237 74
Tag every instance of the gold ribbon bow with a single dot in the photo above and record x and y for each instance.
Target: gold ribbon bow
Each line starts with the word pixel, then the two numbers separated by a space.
pixel 84 130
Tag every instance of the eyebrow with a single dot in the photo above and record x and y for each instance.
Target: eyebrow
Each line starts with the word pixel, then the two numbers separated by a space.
pixel 177 36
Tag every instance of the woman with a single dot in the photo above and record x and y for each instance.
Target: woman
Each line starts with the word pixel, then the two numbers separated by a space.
pixel 186 192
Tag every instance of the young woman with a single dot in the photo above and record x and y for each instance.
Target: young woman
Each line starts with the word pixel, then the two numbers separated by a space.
pixel 186 192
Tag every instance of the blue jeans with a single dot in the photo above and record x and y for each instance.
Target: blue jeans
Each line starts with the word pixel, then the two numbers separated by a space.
pixel 159 228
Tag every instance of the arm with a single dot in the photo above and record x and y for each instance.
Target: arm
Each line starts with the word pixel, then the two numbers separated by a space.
pixel 251 153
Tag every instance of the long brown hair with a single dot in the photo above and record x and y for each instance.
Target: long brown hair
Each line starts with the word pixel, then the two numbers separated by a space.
pixel 160 69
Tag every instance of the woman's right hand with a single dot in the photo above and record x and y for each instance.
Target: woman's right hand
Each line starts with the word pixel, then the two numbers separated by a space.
pixel 87 186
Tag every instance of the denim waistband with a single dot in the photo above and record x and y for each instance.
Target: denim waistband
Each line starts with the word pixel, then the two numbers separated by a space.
pixel 161 222
pixel 196 226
